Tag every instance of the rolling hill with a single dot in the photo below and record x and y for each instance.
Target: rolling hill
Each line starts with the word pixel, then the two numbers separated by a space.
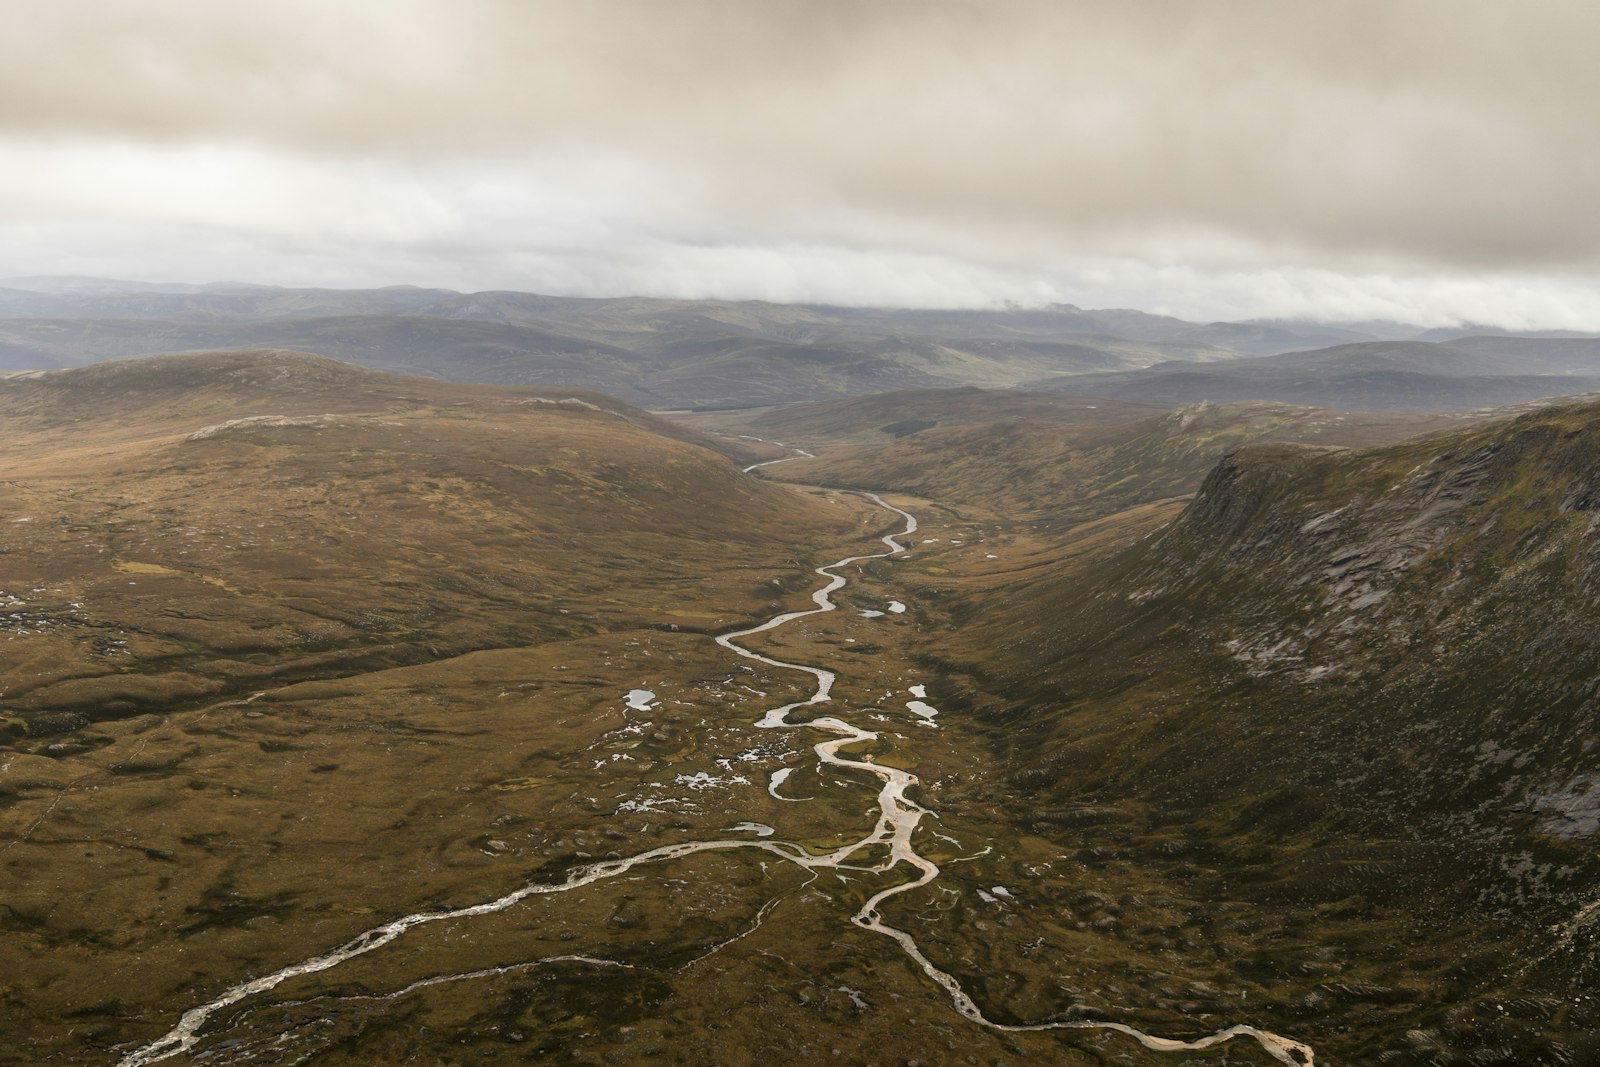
pixel 705 355
pixel 194 526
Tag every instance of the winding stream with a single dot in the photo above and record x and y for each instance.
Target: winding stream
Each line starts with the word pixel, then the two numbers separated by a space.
pixel 898 818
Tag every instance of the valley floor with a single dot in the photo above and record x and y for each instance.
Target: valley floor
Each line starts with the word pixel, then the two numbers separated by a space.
pixel 237 842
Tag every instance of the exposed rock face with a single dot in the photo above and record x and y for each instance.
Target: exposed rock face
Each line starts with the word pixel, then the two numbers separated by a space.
pixel 1574 810
pixel 1433 546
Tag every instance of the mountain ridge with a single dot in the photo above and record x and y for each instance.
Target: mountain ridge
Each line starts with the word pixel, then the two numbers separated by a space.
pixel 1353 690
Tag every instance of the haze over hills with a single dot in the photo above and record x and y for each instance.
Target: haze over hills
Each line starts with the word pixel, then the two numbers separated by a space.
pixel 708 354
pixel 658 353
pixel 1455 374
pixel 93 298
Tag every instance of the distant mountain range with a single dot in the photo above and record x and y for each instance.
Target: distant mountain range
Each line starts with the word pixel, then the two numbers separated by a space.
pixel 657 353
pixel 1467 372
pixel 709 354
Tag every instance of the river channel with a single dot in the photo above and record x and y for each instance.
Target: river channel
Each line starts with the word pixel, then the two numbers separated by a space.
pixel 897 821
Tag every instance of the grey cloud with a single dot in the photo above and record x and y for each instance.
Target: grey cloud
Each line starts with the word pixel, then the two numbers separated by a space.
pixel 1366 136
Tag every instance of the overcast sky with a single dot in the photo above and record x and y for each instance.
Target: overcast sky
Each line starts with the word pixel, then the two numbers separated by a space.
pixel 1431 162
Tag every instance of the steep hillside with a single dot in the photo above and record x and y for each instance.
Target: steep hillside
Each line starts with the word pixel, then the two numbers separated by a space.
pixel 1349 698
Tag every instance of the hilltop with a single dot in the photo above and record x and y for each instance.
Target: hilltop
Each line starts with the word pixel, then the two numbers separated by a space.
pixel 140 396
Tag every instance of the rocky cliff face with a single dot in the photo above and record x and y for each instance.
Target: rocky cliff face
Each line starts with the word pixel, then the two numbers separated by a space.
pixel 1365 687
pixel 1474 554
